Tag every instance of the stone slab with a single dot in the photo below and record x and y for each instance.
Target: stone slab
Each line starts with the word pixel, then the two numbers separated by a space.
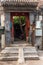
pixel 10 50
pixel 30 53
pixel 9 58
pixel 30 50
pixel 21 56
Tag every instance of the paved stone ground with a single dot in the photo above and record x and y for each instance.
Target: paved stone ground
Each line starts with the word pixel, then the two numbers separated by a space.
pixel 30 62
pixel 38 62
pixel 40 53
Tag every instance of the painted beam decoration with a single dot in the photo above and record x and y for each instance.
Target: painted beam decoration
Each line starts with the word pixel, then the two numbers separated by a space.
pixel 20 0
pixel 19 5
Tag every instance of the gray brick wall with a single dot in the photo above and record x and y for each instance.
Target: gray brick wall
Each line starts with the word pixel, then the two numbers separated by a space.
pixel 7 33
pixel 38 42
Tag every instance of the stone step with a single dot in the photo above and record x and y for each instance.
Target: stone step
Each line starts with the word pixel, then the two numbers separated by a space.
pixel 31 57
pixel 31 53
pixel 10 50
pixel 15 53
pixel 34 52
pixel 31 50
pixel 20 43
pixel 9 53
pixel 9 58
pixel 26 54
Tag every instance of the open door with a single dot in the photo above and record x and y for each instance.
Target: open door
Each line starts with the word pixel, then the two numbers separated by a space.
pixel 20 19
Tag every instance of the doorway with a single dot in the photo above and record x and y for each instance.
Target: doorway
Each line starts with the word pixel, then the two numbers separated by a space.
pixel 21 25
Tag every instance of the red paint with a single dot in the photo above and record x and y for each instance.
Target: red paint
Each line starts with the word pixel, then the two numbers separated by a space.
pixel 27 26
pixel 27 21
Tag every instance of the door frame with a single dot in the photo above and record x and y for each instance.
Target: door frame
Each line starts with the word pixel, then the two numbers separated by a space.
pixel 27 27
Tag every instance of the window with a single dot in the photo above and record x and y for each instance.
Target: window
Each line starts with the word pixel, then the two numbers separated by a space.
pixel 38 24
pixel 38 28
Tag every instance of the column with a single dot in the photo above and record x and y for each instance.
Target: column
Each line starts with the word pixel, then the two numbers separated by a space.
pixel 12 28
pixel 3 35
pixel 27 28
pixel 42 32
pixel 41 28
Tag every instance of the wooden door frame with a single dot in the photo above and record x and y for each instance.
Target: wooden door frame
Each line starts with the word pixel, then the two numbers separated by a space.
pixel 26 14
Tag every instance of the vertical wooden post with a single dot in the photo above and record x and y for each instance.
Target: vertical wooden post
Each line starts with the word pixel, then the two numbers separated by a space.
pixel 27 27
pixel 12 29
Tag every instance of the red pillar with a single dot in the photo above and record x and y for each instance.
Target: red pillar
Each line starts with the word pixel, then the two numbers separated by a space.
pixel 12 29
pixel 27 27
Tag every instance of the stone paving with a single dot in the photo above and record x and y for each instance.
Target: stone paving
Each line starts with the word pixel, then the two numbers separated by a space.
pixel 21 56
pixel 30 62
pixel 20 44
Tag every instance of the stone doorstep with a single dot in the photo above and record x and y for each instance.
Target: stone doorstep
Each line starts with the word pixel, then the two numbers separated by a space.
pixel 21 45
pixel 7 54
pixel 27 48
pixel 17 48
pixel 32 57
pixel 12 51
pixel 29 54
pixel 30 51
pixel 25 57
pixel 11 48
pixel 9 58
pixel 35 57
